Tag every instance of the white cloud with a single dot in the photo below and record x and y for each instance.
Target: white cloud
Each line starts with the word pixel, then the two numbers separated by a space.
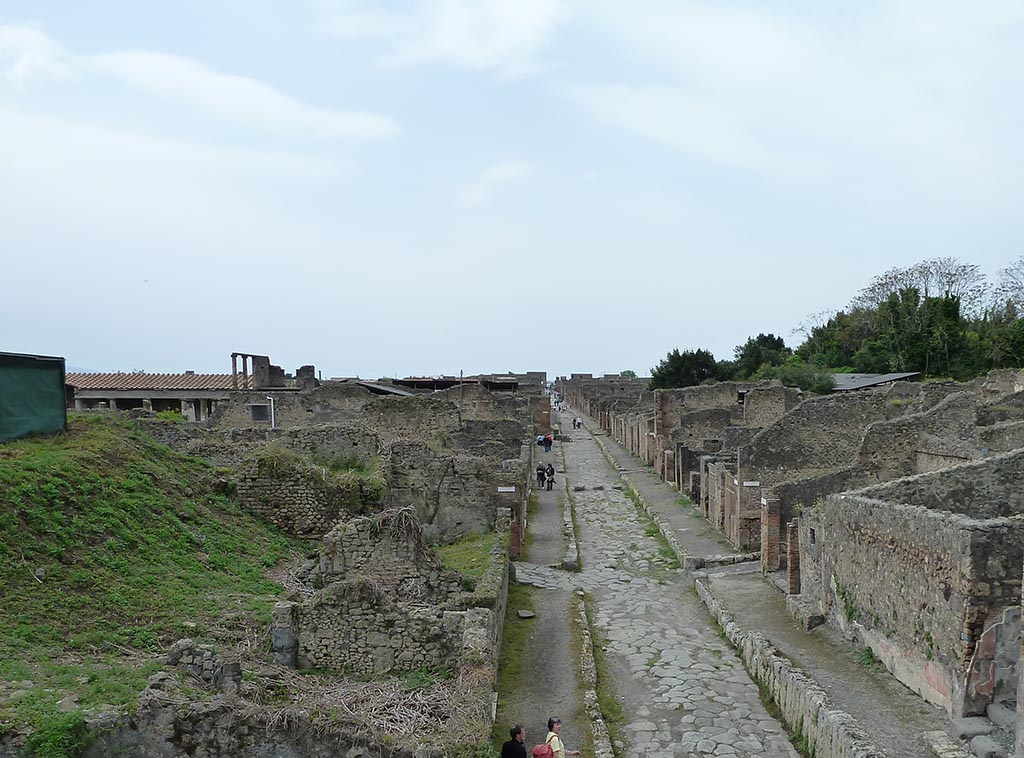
pixel 27 54
pixel 904 89
pixel 233 97
pixel 492 180
pixel 502 36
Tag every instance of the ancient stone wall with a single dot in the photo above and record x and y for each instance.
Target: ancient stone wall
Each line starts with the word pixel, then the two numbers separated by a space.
pixel 387 605
pixel 330 402
pixel 452 493
pixel 301 498
pixel 892 448
pixel 919 586
pixel 763 406
pixel 819 434
pixel 989 488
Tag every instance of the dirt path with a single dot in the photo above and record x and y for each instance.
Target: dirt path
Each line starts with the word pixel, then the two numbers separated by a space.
pixel 548 685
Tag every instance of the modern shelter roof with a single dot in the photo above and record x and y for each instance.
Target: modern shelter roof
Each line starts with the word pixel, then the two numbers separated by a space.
pixel 139 380
pixel 846 382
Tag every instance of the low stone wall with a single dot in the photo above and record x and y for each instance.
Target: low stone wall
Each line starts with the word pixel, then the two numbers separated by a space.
pixel 300 498
pixel 806 708
pixel 165 727
pixel 350 626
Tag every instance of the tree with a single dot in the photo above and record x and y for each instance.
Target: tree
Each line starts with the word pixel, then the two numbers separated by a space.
pixel 628 374
pixel 683 369
pixel 758 351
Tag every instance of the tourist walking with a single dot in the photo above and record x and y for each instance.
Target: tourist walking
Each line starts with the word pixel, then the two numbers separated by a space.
pixel 514 748
pixel 548 442
pixel 541 473
pixel 554 729
pixel 549 476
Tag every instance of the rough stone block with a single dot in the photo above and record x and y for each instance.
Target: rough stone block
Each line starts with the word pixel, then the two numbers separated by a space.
pixel 971 726
pixel 984 746
pixel 1001 715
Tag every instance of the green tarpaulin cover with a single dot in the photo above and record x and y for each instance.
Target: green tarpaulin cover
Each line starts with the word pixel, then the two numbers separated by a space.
pixel 31 396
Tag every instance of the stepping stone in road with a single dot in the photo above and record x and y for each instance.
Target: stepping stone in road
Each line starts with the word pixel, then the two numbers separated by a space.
pixel 525 614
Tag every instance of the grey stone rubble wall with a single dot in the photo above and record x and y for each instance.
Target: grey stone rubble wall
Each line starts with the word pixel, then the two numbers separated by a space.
pixel 292 502
pixel 805 707
pixel 891 447
pixel 989 488
pixel 344 628
pixel 819 434
pixel 163 727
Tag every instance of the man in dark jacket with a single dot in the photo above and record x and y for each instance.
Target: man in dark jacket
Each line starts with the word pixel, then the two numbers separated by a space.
pixel 514 748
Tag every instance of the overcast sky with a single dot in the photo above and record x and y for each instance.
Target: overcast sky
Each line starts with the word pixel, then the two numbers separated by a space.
pixel 415 188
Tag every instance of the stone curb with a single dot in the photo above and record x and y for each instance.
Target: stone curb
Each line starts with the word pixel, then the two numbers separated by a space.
pixel 588 675
pixel 806 709
pixel 571 561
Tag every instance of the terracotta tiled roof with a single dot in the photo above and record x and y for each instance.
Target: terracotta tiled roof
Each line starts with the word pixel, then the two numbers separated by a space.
pixel 143 381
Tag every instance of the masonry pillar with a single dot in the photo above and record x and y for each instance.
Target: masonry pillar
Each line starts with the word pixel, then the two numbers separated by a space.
pixel 234 371
pixel 793 557
pixel 79 404
pixel 245 372
pixel 771 523
pixel 112 403
pixel 669 472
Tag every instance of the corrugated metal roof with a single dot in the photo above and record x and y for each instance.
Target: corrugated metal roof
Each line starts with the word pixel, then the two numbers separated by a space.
pixel 143 381
pixel 845 382
pixel 385 389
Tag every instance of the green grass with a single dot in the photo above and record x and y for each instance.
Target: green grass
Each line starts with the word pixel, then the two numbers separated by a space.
pixel 470 556
pixel 607 700
pixel 134 550
pixel 514 654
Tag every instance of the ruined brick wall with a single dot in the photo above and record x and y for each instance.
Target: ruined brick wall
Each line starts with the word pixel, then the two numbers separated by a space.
pixel 895 447
pixel 387 605
pixel 696 426
pixel 763 406
pixel 989 488
pixel 228 447
pixel 917 585
pixel 332 401
pixel 796 495
pixel 452 493
pixel 302 499
pixel 819 434
pixel 348 627
pixel 670 405
pixel 1002 437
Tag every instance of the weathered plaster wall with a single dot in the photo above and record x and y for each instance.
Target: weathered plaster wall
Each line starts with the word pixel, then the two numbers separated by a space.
pixel 919 586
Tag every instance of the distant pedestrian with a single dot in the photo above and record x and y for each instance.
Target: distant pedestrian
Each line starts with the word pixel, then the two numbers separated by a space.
pixel 514 748
pixel 549 476
pixel 541 474
pixel 553 739
pixel 548 442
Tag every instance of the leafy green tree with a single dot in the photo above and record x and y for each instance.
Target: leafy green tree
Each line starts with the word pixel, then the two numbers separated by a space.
pixel 628 374
pixel 683 369
pixel 758 351
pixel 796 373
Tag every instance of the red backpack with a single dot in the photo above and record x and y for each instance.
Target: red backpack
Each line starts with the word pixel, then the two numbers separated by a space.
pixel 543 750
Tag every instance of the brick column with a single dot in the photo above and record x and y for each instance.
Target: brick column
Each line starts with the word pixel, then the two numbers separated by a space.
pixel 771 524
pixel 793 557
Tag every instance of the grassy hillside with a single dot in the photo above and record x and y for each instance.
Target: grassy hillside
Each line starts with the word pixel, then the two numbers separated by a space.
pixel 112 547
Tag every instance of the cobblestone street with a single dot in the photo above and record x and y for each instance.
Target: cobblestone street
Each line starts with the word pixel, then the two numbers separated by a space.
pixel 683 689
